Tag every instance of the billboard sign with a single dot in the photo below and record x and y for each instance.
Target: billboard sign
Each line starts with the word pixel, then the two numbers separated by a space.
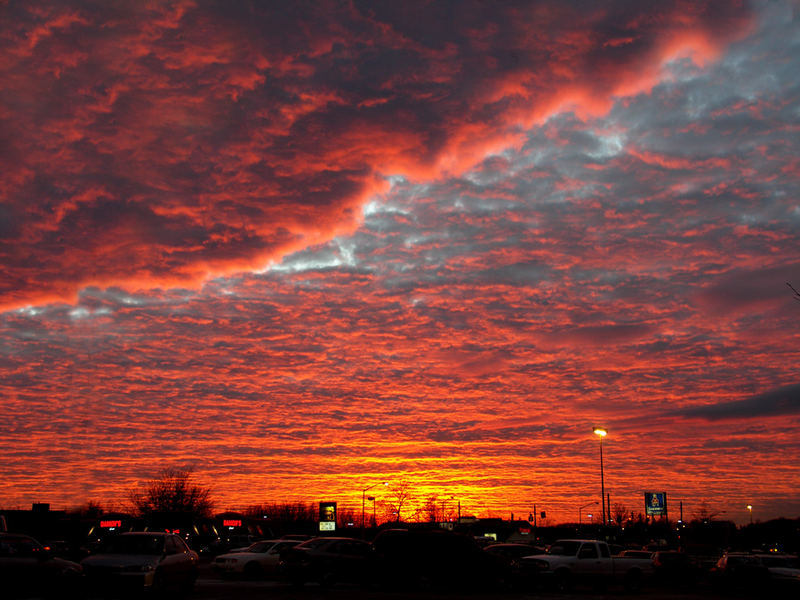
pixel 327 516
pixel 655 504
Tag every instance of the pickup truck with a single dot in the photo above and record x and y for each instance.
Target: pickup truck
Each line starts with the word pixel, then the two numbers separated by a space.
pixel 568 562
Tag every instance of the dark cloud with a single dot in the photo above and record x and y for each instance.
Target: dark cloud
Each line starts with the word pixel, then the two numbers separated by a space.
pixel 782 401
pixel 158 145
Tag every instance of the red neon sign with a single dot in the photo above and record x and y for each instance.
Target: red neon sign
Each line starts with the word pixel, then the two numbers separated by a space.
pixel 231 522
pixel 110 523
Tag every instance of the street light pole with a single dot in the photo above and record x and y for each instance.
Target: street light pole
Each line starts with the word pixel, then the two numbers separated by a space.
pixel 602 432
pixel 364 501
pixel 750 508
pixel 374 522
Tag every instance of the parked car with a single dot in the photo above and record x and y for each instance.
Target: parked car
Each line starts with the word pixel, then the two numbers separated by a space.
pixel 142 560
pixel 26 566
pixel 508 558
pixel 430 558
pixel 781 567
pixel 329 560
pixel 674 568
pixel 256 561
pixel 569 562
pixel 738 570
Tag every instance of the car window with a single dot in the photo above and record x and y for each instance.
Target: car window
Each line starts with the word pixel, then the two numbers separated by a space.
pixel 134 544
pixel 564 548
pixel 354 549
pixel 173 545
pixel 182 547
pixel 314 544
pixel 588 551
pixel 260 547
pixel 604 552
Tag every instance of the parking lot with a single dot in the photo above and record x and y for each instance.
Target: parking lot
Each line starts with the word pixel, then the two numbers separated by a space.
pixel 209 588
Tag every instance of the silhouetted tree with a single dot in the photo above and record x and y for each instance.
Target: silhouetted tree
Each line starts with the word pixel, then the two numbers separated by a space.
pixel 285 512
pixel 704 513
pixel 429 510
pixel 398 496
pixel 173 492
pixel 619 512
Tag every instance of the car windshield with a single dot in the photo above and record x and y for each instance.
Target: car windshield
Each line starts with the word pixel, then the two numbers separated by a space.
pixel 261 547
pixel 314 544
pixel 564 548
pixel 134 544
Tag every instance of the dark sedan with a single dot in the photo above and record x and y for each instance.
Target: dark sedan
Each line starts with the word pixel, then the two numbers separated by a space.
pixel 26 566
pixel 329 560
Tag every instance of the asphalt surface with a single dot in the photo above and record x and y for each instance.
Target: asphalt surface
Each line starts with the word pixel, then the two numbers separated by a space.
pixel 209 586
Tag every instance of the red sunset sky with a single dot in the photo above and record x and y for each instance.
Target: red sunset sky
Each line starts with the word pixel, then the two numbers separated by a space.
pixel 307 247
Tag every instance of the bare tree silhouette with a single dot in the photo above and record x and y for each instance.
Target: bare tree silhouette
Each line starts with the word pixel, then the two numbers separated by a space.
pixel 399 496
pixel 173 492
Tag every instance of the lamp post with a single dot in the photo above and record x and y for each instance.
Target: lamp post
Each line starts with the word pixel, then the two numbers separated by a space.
pixel 372 498
pixel 602 432
pixel 750 508
pixel 580 511
pixel 364 501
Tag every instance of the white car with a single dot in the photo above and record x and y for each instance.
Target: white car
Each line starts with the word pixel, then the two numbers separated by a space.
pixel 781 567
pixel 256 561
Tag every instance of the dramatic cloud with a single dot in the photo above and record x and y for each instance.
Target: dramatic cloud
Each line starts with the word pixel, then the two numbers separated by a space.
pixel 161 144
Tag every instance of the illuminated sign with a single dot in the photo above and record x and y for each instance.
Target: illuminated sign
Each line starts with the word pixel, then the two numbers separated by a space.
pixel 327 511
pixel 655 504
pixel 110 523
pixel 327 526
pixel 231 522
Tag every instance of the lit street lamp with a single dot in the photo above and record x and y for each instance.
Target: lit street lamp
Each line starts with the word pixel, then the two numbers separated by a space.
pixel 602 432
pixel 750 508
pixel 364 501
pixel 580 510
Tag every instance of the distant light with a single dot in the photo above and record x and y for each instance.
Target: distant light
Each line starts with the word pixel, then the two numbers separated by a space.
pixel 601 431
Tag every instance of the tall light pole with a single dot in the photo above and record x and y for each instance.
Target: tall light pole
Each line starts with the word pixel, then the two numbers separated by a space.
pixel 750 508
pixel 364 501
pixel 602 432
pixel 374 522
